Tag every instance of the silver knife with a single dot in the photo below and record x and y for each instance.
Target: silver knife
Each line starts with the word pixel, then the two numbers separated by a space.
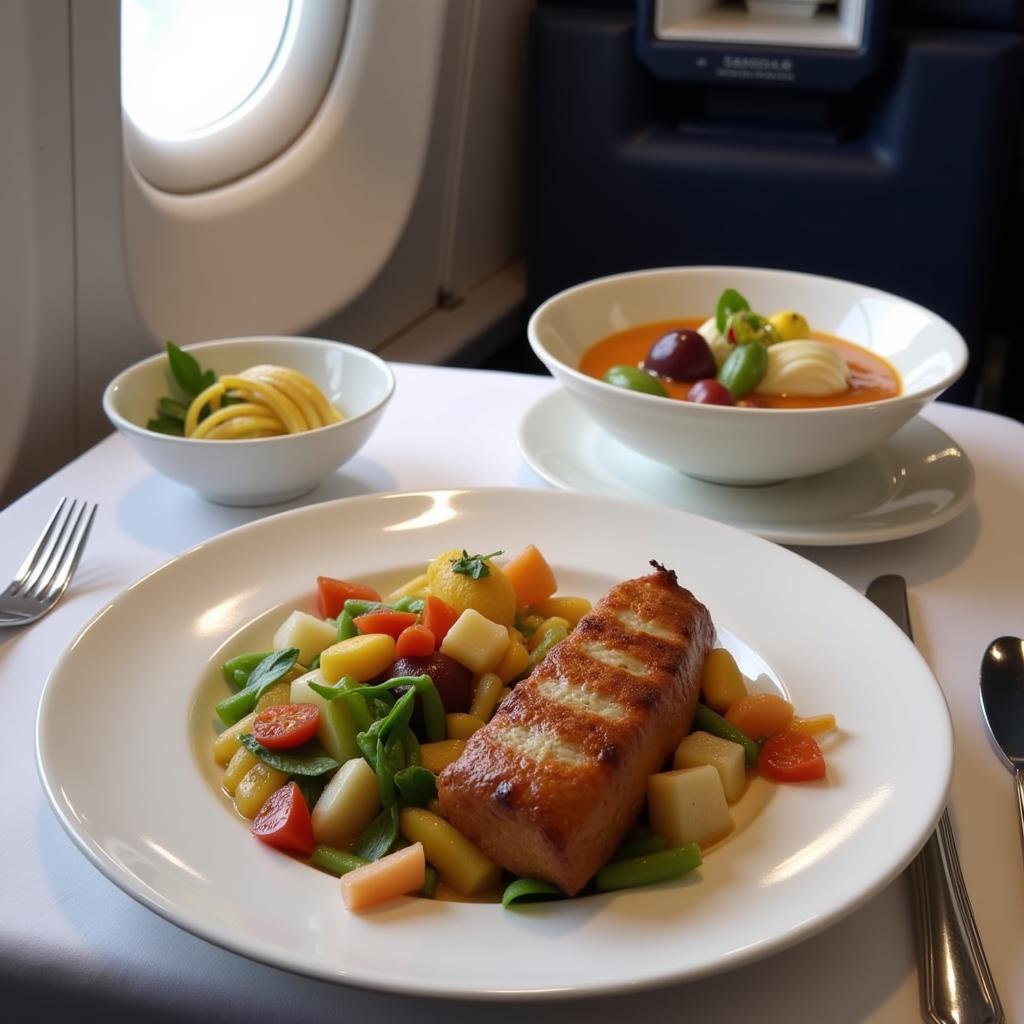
pixel 956 983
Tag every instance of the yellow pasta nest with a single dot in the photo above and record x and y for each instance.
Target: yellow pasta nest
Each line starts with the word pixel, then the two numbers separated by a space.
pixel 265 401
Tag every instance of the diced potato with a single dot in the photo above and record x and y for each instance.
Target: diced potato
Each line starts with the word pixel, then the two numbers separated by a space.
pixel 337 729
pixel 225 745
pixel 475 641
pixel 572 609
pixel 348 803
pixel 438 755
pixel 255 786
pixel 461 726
pixel 279 693
pixel 486 690
pixel 361 657
pixel 514 662
pixel 459 863
pixel 724 756
pixel 306 632
pixel 397 874
pixel 688 806
pixel 721 682
pixel 238 766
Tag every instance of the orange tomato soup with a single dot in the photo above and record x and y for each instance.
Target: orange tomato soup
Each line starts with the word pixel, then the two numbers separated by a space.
pixel 871 377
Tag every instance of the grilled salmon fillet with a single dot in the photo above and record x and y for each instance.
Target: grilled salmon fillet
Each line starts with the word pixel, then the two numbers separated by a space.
pixel 551 784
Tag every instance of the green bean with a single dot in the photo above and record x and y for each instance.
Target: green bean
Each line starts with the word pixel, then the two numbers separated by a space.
pixel 530 890
pixel 242 663
pixel 272 668
pixel 712 722
pixel 648 869
pixel 639 846
pixel 346 627
pixel 336 862
pixel 409 604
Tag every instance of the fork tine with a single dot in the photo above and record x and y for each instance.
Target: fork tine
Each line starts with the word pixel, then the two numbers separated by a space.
pixel 46 563
pixel 71 554
pixel 30 561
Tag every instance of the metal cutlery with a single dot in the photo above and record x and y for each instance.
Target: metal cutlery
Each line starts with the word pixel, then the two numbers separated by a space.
pixel 1002 701
pixel 47 570
pixel 956 984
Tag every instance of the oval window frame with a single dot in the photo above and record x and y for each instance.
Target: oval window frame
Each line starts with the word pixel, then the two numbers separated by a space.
pixel 265 124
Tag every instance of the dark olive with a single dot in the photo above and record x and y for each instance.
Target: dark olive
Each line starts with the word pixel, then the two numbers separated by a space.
pixel 710 392
pixel 454 682
pixel 681 355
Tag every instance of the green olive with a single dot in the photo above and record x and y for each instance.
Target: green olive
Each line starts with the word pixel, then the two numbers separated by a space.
pixel 744 369
pixel 634 379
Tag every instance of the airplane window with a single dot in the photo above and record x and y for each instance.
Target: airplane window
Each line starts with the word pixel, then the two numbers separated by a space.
pixel 188 64
pixel 212 90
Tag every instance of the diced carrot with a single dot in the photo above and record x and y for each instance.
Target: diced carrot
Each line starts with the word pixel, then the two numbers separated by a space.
pixel 415 641
pixel 760 714
pixel 390 622
pixel 438 617
pixel 397 874
pixel 531 577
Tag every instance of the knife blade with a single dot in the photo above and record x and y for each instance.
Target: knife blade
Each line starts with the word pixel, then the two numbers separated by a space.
pixel 956 984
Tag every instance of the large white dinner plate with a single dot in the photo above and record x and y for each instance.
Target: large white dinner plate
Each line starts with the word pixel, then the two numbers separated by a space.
pixel 125 726
pixel 914 481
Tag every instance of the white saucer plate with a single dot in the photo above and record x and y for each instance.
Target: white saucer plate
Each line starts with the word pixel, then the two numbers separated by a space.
pixel 126 724
pixel 917 480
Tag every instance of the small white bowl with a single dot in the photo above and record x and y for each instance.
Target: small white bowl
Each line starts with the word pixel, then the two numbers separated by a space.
pixel 265 470
pixel 731 444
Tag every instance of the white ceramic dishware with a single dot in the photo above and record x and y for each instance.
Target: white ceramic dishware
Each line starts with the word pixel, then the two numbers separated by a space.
pixel 914 481
pixel 732 444
pixel 264 470
pixel 124 736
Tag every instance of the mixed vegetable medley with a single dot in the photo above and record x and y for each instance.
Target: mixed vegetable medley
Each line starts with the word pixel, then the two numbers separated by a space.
pixel 737 354
pixel 332 740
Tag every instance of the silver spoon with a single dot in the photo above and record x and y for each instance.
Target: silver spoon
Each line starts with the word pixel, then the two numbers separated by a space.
pixel 1002 701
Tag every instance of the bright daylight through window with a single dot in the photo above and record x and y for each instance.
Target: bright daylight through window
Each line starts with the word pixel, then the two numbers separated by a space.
pixel 189 65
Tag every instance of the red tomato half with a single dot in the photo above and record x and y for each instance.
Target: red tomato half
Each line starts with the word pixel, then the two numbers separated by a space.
pixel 791 757
pixel 284 822
pixel 286 725
pixel 331 595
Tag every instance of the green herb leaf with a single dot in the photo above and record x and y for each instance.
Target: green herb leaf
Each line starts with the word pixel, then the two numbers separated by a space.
pixel 416 785
pixel 234 708
pixel 166 425
pixel 170 408
pixel 530 890
pixel 185 370
pixel 310 763
pixel 380 835
pixel 474 566
pixel 729 302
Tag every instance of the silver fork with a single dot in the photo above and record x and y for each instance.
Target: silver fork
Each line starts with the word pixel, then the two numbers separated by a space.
pixel 46 572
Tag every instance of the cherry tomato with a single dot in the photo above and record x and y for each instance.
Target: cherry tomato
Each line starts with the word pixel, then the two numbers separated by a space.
pixel 286 725
pixel 791 757
pixel 331 595
pixel 284 821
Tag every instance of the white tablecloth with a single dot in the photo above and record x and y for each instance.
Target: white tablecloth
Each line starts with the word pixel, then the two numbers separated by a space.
pixel 72 942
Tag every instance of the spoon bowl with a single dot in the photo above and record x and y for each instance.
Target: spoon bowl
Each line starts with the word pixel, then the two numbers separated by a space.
pixel 1002 702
